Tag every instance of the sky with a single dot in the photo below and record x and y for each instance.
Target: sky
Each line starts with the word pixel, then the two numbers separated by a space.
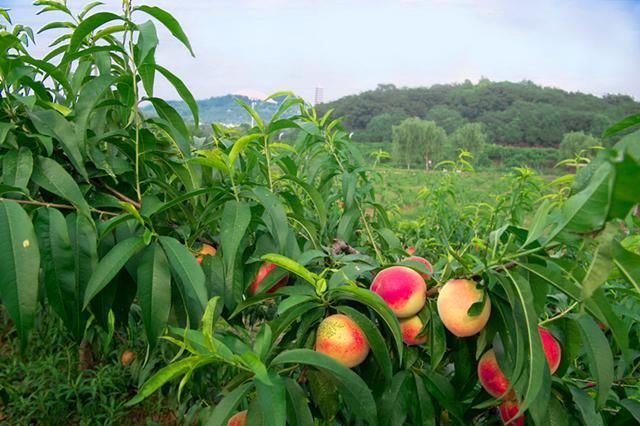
pixel 349 46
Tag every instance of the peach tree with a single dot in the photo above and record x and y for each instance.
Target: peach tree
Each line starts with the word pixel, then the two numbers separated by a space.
pixel 309 310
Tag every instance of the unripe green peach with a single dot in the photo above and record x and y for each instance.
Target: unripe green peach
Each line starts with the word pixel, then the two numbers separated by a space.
pixel 340 338
pixel 402 288
pixel 238 419
pixel 491 376
pixel 454 300
pixel 410 327
pixel 551 349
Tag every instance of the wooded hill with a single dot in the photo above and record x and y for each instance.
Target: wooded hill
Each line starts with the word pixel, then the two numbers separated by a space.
pixel 517 114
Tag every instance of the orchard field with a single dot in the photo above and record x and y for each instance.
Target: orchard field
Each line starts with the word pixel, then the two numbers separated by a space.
pixel 149 275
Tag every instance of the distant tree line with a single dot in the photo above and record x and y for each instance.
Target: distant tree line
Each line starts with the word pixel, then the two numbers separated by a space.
pixel 516 114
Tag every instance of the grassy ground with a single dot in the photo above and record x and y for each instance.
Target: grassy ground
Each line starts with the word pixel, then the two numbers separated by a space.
pixel 402 189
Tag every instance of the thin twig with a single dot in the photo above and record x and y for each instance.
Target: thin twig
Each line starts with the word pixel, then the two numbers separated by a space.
pixel 121 196
pixel 59 206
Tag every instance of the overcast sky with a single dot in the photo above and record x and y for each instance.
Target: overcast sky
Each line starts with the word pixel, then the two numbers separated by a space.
pixel 348 46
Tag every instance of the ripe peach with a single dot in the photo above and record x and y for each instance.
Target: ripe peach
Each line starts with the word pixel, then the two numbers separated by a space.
pixel 507 410
pixel 410 327
pixel 490 376
pixel 411 250
pixel 425 262
pixel 238 419
pixel 205 250
pixel 340 338
pixel 551 349
pixel 127 357
pixel 454 300
pixel 402 288
pixel 264 269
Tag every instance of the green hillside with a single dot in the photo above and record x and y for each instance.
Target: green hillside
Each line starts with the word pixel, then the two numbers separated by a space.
pixel 519 114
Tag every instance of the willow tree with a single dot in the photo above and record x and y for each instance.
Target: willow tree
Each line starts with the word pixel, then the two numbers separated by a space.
pixel 418 139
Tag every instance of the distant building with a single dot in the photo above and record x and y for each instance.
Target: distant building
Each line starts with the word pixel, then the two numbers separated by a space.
pixel 319 98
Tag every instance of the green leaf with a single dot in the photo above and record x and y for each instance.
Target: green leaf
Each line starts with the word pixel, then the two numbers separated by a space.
pixel 376 303
pixel 209 321
pixel 168 21
pixel 588 209
pixel 315 196
pixel 5 128
pixel 272 399
pixel 154 291
pixel 355 392
pixel 262 342
pixel 586 407
pixel 526 319
pixel 625 123
pixel 17 167
pixel 147 41
pixel 19 268
pixel 324 392
pixel 225 408
pixel 170 372
pixel 252 112
pixel 239 146
pixel 276 220
pixel 437 339
pixel 393 405
pixel 189 277
pixel 600 358
pixel 171 116
pixel 183 92
pixel 54 178
pixel 87 26
pixel 424 411
pixel 291 266
pixel 59 269
pixel 633 407
pixel 297 406
pixel 374 338
pixel 629 265
pixel 236 217
pixel 110 265
pixel 52 123
pixel 539 223
pixel 602 262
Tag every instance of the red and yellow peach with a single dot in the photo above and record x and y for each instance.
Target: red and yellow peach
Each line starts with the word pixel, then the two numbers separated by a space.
pixel 264 269
pixel 508 409
pixel 205 250
pixel 402 288
pixel 490 376
pixel 425 262
pixel 410 328
pixel 454 300
pixel 342 339
pixel 551 349
pixel 238 419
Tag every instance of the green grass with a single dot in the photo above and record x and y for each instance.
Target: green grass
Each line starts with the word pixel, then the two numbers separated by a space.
pixel 401 189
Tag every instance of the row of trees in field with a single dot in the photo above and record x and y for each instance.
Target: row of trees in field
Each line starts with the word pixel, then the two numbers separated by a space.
pixel 416 141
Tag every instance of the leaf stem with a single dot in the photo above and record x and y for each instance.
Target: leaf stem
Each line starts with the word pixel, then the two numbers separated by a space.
pixel 560 315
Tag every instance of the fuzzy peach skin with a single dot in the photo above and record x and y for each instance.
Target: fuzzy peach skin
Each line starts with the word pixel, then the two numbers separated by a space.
pixel 507 410
pixel 340 338
pixel 410 327
pixel 205 250
pixel 264 269
pixel 551 349
pixel 425 262
pixel 238 419
pixel 402 288
pixel 454 300
pixel 490 376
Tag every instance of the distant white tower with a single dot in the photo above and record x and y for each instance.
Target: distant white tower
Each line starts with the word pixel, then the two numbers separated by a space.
pixel 319 98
